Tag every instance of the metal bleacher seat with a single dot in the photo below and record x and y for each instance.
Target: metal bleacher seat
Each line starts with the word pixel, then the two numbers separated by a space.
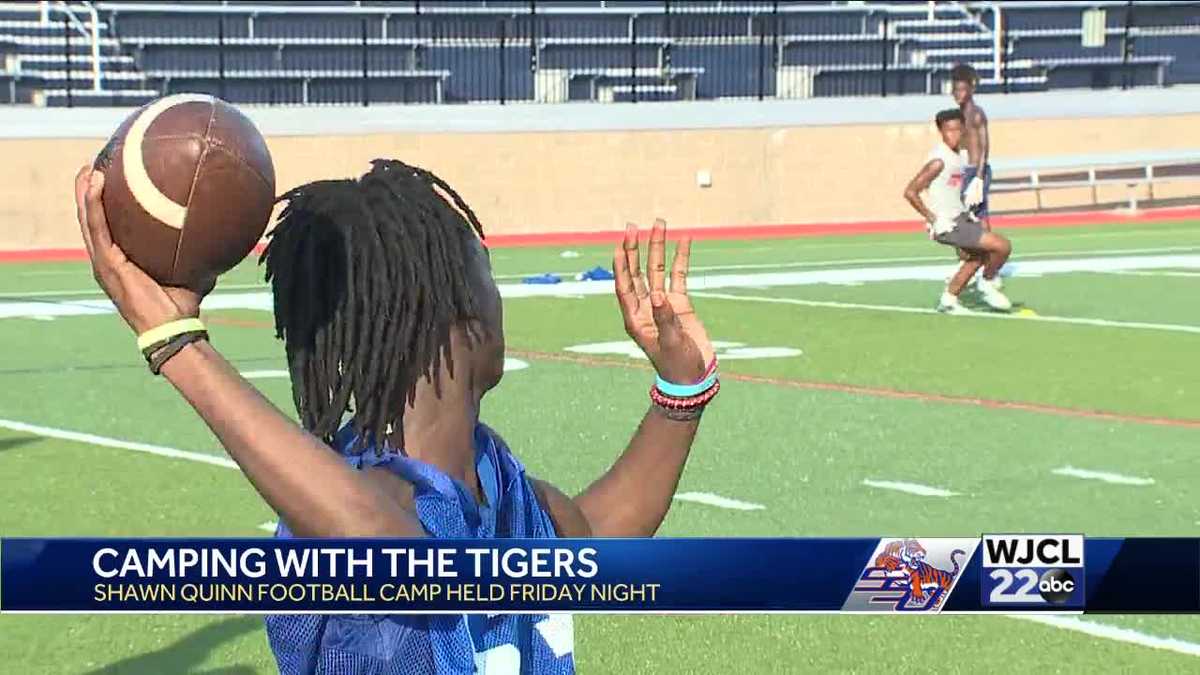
pixel 728 70
pixel 1102 72
pixel 469 67
pixel 44 48
pixel 835 50
pixel 1057 44
pixel 594 53
pixel 828 23
pixel 608 84
pixel 1183 41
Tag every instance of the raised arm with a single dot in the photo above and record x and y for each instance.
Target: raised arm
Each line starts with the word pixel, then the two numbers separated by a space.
pixel 298 475
pixel 632 498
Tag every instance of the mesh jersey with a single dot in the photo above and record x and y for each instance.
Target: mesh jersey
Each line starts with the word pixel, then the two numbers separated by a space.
pixel 437 644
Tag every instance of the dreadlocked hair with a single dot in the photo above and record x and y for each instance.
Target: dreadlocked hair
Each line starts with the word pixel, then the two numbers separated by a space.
pixel 369 276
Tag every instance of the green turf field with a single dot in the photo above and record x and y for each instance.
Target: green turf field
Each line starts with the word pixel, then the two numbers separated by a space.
pixel 1083 414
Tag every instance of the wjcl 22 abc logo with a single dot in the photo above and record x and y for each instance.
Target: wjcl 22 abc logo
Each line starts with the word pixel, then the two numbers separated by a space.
pixel 1033 570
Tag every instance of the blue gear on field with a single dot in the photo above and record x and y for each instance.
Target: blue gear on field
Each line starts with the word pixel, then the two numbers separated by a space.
pixel 542 279
pixel 595 274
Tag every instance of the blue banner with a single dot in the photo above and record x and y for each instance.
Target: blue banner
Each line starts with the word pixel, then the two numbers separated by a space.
pixel 1003 573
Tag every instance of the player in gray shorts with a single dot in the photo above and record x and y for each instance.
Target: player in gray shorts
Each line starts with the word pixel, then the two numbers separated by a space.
pixel 966 233
pixel 949 221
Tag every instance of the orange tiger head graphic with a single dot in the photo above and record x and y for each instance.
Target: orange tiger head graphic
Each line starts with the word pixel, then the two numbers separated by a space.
pixel 906 552
pixel 912 552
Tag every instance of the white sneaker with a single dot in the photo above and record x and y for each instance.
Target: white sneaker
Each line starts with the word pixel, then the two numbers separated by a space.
pixel 992 295
pixel 949 304
pixel 997 283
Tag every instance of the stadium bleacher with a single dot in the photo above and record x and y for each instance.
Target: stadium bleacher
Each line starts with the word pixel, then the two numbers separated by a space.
pixel 114 53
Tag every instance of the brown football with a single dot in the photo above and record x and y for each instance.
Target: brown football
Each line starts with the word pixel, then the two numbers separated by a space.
pixel 189 187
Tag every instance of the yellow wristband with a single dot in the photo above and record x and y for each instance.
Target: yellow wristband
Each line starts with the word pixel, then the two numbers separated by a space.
pixel 168 331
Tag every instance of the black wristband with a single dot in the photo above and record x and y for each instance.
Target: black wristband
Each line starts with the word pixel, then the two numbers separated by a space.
pixel 159 357
pixel 680 415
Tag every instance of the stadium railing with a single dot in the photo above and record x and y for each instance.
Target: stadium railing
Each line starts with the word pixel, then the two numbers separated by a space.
pixel 1132 170
pixel 304 53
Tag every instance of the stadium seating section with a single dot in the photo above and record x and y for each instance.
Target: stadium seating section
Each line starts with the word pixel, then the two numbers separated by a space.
pixel 112 53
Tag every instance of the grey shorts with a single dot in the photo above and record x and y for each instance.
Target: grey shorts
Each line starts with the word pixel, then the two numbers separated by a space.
pixel 966 234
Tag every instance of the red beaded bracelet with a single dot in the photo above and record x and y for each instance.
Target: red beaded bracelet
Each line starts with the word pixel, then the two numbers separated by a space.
pixel 691 403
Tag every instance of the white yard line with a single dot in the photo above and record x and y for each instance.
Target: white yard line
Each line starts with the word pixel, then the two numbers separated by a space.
pixel 1116 633
pixel 718 501
pixel 268 526
pixel 1106 476
pixel 1082 321
pixel 910 488
pixel 92 439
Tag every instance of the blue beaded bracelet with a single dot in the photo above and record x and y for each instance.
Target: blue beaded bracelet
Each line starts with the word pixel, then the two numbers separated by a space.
pixel 685 390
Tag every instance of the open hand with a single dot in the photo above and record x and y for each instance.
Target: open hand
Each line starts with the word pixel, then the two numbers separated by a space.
pixel 142 301
pixel 662 322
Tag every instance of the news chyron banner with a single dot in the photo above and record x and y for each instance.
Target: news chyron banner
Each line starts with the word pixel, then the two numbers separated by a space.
pixel 992 573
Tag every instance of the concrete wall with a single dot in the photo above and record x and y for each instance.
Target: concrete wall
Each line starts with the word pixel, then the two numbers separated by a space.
pixel 593 167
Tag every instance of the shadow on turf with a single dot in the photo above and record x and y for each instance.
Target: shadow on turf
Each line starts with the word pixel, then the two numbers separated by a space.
pixel 10 443
pixel 185 655
pixel 972 300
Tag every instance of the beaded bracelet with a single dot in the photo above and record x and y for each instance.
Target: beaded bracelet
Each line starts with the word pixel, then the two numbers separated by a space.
pixel 671 403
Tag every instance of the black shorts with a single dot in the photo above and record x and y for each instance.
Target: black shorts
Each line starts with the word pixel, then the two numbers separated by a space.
pixel 966 234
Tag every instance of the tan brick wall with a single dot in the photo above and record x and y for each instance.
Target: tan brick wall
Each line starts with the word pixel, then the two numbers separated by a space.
pixel 568 181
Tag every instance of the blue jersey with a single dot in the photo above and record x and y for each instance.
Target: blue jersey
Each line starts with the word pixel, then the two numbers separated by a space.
pixel 445 643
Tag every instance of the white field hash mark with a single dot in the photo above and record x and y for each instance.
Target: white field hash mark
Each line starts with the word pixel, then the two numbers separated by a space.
pixel 718 501
pixel 910 488
pixel 1105 476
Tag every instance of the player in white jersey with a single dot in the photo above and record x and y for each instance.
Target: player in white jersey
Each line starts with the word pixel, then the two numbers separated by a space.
pixel 949 221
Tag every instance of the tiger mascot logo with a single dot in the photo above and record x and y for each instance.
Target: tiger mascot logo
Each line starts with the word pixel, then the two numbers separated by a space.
pixel 907 557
